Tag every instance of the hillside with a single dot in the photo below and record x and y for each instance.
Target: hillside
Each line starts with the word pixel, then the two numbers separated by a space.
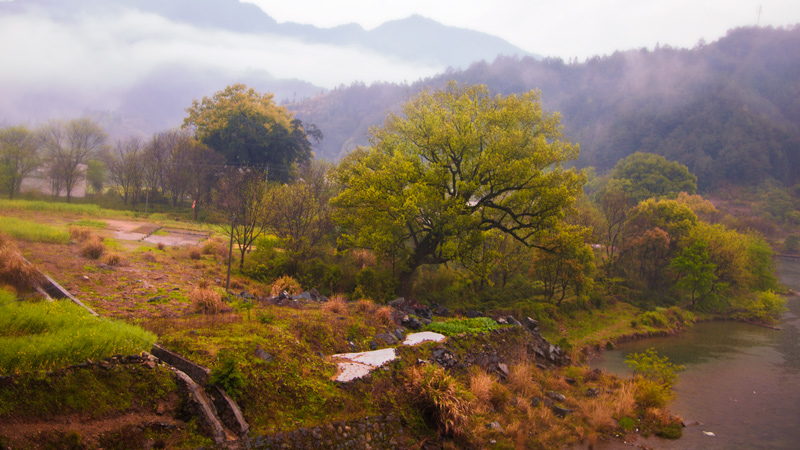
pixel 729 110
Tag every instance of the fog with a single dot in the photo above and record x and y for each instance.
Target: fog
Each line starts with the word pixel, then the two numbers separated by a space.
pixel 91 60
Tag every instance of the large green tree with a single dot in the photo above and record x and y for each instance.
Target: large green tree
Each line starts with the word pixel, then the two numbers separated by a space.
pixel 249 129
pixel 456 164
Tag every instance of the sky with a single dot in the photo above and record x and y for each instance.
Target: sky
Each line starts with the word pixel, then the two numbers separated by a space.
pixel 560 28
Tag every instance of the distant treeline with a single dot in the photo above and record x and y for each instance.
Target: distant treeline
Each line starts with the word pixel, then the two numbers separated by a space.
pixel 729 110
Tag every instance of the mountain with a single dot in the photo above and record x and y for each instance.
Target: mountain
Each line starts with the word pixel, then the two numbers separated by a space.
pixel 143 61
pixel 729 110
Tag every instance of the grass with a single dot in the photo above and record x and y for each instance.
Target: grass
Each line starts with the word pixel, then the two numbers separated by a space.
pixel 90 223
pixel 458 326
pixel 50 335
pixel 26 230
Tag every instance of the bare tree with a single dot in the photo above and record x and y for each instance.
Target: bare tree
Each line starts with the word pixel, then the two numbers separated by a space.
pixel 19 156
pixel 177 169
pixel 125 168
pixel 241 206
pixel 204 167
pixel 299 213
pixel 68 147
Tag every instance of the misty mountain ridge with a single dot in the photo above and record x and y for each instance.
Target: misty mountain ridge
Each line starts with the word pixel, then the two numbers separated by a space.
pixel 729 110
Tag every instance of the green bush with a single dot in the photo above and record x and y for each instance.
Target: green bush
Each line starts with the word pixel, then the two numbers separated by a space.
pixel 653 367
pixel 458 326
pixel 792 243
pixel 375 284
pixel 227 376
pixel 764 307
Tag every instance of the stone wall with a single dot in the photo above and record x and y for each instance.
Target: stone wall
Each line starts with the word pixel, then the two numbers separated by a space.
pixel 369 433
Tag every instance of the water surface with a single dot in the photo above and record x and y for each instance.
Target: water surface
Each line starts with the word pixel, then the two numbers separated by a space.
pixel 742 382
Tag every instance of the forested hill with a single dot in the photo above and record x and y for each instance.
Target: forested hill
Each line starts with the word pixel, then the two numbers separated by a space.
pixel 729 110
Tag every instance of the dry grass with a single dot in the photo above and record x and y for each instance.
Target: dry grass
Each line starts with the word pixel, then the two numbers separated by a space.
pixel 112 259
pixel 480 384
pixel 366 306
pixel 384 316
pixel 335 305
pixel 195 253
pixel 80 234
pixel 599 413
pixel 287 284
pixel 441 398
pixel 149 257
pixel 93 248
pixel 160 246
pixel 521 379
pixel 625 402
pixel 364 258
pixel 14 271
pixel 207 301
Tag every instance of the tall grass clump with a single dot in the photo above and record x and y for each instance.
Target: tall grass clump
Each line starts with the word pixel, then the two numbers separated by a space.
pixel 207 301
pixel 441 398
pixel 28 231
pixel 93 248
pixel 285 283
pixel 14 270
pixel 50 335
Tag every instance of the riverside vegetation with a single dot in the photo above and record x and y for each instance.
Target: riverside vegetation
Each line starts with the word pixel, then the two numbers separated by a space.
pixel 474 222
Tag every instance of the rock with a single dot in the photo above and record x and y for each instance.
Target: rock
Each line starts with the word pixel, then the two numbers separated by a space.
pixel 512 321
pixel 691 423
pixel 555 396
pixel 495 426
pixel 471 314
pixel 560 412
pixel 245 294
pixel 592 392
pixel 531 324
pixel 263 355
pixel 149 364
pixel 423 312
pixel 155 299
pixel 398 333
pixel 284 296
pixel 104 364
pixel 388 338
pixel 503 369
pixel 440 310
pixel 535 401
pixel 501 321
pixel 411 322
pixel 397 303
pixel 443 357
pixel 593 375
pixel 373 345
pixel 570 380
pixel 316 296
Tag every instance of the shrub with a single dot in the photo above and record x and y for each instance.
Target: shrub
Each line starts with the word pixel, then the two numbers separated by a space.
pixel 80 234
pixel 653 367
pixel 654 319
pixel 227 376
pixel 764 307
pixel 285 283
pixel 792 243
pixel 458 326
pixel 441 398
pixel 207 301
pixel 93 248
pixel 651 394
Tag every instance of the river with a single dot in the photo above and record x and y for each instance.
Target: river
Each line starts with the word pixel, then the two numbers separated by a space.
pixel 742 382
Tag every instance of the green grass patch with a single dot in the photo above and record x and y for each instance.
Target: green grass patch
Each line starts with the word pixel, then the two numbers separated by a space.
pixel 50 335
pixel 26 230
pixel 458 326
pixel 91 223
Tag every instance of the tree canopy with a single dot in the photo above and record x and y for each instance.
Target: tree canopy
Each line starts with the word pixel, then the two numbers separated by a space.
pixel 249 129
pixel 455 165
pixel 645 175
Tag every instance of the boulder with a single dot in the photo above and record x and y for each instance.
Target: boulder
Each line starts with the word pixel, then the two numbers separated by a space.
pixel 555 396
pixel 263 355
pixel 388 338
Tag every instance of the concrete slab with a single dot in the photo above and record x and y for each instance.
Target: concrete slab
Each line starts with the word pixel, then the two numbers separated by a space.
pixel 418 338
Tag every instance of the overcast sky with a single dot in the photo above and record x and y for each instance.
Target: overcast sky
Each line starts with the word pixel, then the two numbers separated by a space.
pixel 562 28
